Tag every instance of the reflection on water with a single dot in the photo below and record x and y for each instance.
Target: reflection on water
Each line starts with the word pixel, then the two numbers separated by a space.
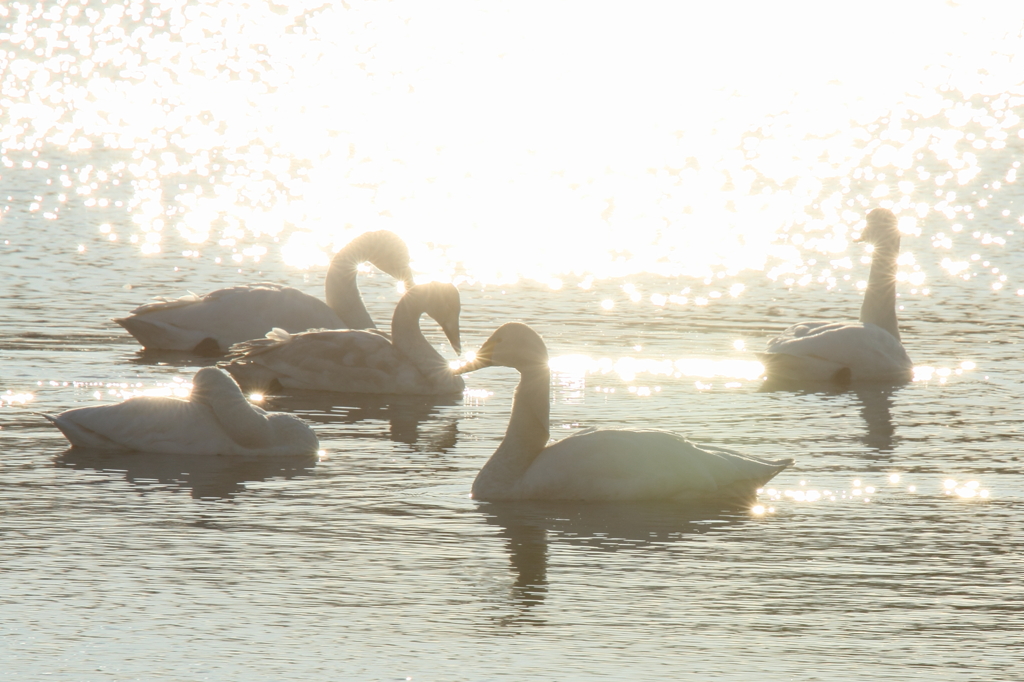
pixel 206 477
pixel 412 420
pixel 171 358
pixel 529 528
pixel 874 405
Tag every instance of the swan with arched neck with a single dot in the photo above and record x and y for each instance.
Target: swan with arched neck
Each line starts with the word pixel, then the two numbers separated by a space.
pixel 354 361
pixel 211 324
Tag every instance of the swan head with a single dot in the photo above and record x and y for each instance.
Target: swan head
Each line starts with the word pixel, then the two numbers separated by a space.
pixel 515 345
pixel 441 301
pixel 387 252
pixel 212 383
pixel 881 227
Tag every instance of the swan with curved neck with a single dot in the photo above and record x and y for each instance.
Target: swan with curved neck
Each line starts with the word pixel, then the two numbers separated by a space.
pixel 870 350
pixel 598 464
pixel 216 419
pixel 213 323
pixel 354 361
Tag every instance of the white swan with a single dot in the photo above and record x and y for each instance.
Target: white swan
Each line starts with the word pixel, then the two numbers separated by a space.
pixel 848 351
pixel 598 465
pixel 353 361
pixel 213 323
pixel 215 420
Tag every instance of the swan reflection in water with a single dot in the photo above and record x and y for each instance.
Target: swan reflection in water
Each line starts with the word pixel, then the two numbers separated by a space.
pixel 418 421
pixel 529 527
pixel 170 358
pixel 875 404
pixel 205 476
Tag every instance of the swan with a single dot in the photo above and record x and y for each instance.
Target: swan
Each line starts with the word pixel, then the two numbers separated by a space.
pixel 213 323
pixel 848 351
pixel 355 361
pixel 215 420
pixel 597 464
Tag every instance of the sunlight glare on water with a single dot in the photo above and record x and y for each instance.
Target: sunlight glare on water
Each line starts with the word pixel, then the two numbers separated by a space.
pixel 253 128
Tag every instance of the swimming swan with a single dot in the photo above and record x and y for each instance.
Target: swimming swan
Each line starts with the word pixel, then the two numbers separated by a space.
pixel 215 420
pixel 845 352
pixel 213 323
pixel 598 464
pixel 353 361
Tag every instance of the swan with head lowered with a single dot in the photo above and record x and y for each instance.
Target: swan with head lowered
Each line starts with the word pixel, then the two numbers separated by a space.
pixel 844 352
pixel 598 464
pixel 355 361
pixel 216 419
pixel 213 323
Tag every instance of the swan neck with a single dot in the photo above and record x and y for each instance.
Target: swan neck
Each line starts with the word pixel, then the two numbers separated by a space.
pixel 341 291
pixel 527 435
pixel 408 338
pixel 244 424
pixel 879 307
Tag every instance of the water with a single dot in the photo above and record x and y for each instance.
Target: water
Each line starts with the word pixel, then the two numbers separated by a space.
pixel 562 179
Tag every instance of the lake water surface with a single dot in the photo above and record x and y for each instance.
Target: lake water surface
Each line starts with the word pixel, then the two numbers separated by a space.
pixel 655 222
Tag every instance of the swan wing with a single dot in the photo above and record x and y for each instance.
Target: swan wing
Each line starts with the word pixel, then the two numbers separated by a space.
pixel 354 361
pixel 642 465
pixel 817 351
pixel 172 426
pixel 227 316
pixel 147 424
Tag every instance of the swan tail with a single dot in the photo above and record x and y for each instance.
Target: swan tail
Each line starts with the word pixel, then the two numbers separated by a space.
pixel 773 468
pixel 754 475
pixel 80 436
pixel 156 335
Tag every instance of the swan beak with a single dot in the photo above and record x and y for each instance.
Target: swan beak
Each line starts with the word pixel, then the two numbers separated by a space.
pixel 483 359
pixel 452 332
pixel 407 280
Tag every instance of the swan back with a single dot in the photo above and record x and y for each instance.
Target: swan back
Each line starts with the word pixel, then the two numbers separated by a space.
pixel 216 419
pixel 225 317
pixel 837 351
pixel 642 464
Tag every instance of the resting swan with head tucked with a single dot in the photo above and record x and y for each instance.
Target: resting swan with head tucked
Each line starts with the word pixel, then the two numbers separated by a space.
pixel 215 420
pixel 352 361
pixel 213 323
pixel 601 464
pixel 847 351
